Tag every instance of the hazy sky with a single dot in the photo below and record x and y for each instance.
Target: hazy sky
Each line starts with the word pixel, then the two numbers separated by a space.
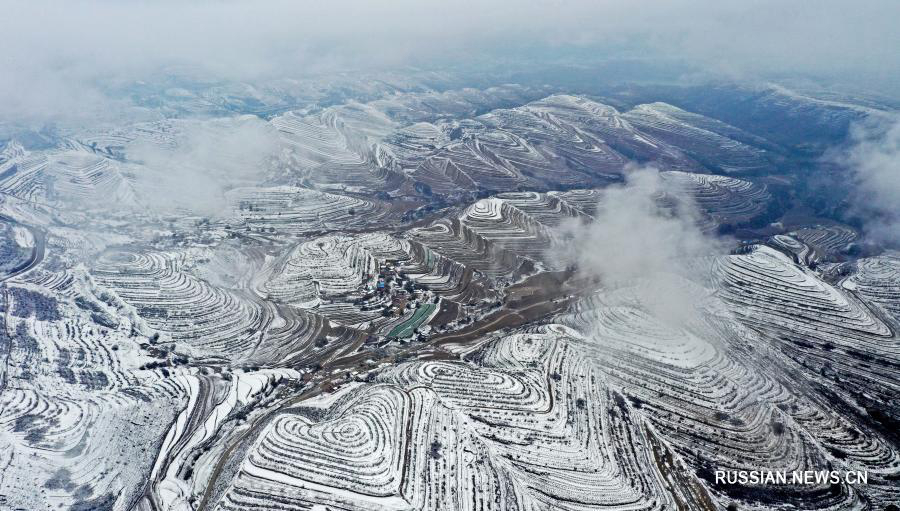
pixel 59 57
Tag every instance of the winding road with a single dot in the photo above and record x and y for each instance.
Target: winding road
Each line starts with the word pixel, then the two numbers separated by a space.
pixel 37 252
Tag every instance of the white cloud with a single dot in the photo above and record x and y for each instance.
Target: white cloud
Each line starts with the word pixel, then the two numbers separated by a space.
pixel 636 238
pixel 874 159
pixel 207 159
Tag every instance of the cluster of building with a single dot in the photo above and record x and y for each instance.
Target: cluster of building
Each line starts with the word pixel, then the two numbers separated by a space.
pixel 394 286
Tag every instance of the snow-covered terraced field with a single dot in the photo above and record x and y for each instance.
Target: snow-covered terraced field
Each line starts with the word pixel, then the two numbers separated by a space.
pixel 293 210
pixel 494 234
pixel 365 307
pixel 72 388
pixel 21 173
pixel 335 152
pixel 84 178
pixel 688 132
pixel 827 240
pixel 529 425
pixel 877 279
pixel 725 200
pixel 565 141
pixel 455 240
pixel 732 388
pixel 322 267
pixel 603 123
pixel 184 308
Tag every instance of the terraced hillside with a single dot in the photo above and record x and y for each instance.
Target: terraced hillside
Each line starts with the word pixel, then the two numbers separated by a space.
pixel 363 303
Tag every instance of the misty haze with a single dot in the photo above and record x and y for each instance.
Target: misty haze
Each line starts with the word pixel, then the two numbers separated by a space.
pixel 421 255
